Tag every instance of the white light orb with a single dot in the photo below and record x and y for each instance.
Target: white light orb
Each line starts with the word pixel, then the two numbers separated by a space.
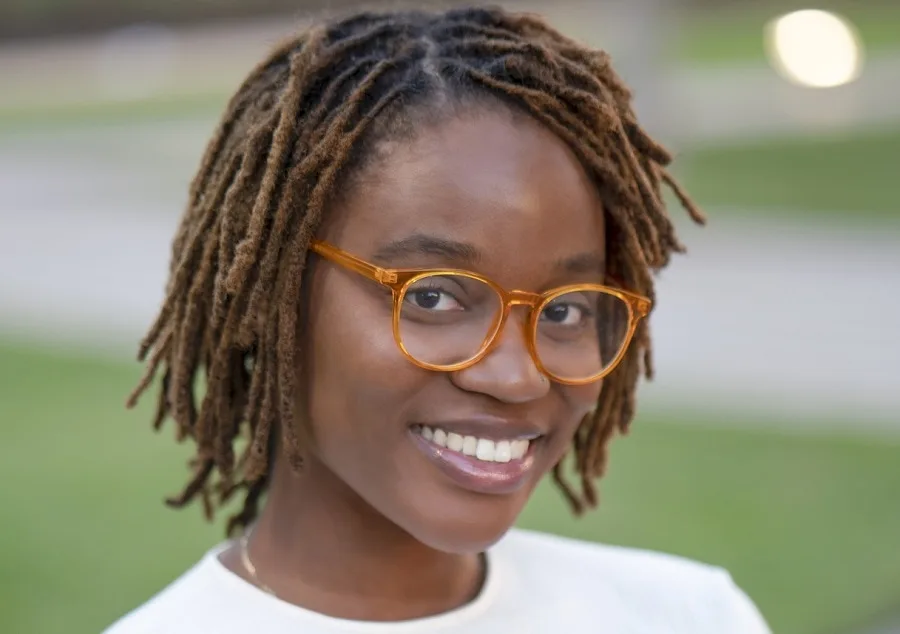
pixel 814 48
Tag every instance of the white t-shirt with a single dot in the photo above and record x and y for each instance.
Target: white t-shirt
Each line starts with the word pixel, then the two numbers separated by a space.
pixel 535 584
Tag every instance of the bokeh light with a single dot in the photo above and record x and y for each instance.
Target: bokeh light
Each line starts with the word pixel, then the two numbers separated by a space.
pixel 815 48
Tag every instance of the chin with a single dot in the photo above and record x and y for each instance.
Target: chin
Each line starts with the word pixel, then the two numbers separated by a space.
pixel 471 541
pixel 466 526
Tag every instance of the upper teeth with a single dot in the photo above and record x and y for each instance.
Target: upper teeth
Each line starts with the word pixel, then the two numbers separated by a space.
pixel 481 448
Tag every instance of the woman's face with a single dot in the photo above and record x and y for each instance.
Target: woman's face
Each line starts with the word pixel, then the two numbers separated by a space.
pixel 490 192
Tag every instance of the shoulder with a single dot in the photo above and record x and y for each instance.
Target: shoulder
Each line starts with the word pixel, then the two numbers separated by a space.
pixel 177 608
pixel 685 594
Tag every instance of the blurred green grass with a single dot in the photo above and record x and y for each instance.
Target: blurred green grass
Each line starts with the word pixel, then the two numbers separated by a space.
pixel 39 117
pixel 736 36
pixel 807 524
pixel 844 177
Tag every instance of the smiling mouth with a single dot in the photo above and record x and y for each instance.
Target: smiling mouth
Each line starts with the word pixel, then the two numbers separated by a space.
pixel 498 466
pixel 481 449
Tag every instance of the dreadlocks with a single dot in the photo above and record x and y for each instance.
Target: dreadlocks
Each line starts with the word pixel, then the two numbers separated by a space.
pixel 299 126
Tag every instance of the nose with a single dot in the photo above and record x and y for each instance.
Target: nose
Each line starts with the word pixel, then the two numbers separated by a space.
pixel 508 372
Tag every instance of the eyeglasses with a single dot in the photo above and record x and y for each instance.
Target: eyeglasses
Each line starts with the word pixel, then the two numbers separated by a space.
pixel 448 319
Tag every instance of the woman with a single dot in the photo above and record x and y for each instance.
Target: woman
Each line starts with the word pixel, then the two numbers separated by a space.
pixel 414 273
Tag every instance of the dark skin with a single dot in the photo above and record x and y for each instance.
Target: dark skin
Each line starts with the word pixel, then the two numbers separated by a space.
pixel 370 529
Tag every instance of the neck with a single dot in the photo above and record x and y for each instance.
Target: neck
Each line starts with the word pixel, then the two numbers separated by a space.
pixel 319 545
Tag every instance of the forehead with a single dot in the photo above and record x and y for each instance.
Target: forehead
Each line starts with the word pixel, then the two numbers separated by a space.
pixel 500 182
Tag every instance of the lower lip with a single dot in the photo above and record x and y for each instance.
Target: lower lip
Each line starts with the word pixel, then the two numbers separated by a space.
pixel 497 478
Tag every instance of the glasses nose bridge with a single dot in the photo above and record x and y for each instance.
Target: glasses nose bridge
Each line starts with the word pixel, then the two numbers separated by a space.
pixel 518 298
pixel 511 299
pixel 515 298
pixel 521 298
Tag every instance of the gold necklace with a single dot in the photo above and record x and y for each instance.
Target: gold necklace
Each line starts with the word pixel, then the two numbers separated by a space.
pixel 244 552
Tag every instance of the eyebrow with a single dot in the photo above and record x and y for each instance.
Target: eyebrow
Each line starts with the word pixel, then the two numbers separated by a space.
pixel 582 263
pixel 421 244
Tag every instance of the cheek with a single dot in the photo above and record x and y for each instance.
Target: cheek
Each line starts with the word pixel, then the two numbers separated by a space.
pixel 359 380
pixel 579 401
pixel 582 398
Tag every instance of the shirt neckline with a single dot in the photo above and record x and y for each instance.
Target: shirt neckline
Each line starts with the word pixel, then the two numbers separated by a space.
pixel 293 615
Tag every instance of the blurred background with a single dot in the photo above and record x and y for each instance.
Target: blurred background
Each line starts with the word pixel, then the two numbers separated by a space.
pixel 769 442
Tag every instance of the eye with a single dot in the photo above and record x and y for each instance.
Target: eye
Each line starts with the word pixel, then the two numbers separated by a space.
pixel 430 297
pixel 566 313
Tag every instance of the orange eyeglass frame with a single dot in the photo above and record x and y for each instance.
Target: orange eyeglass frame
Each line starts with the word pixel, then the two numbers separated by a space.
pixel 399 280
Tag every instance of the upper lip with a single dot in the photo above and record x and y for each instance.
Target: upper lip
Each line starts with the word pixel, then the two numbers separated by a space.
pixel 490 427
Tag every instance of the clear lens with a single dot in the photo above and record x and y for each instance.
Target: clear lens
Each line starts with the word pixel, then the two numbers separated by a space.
pixel 580 334
pixel 446 319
